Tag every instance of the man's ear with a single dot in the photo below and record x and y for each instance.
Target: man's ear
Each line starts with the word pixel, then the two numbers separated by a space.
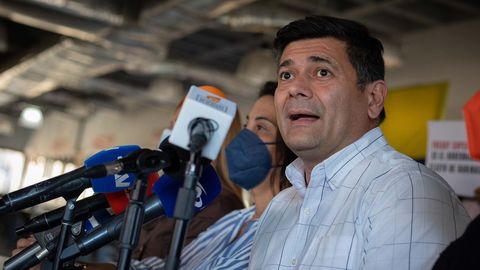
pixel 377 92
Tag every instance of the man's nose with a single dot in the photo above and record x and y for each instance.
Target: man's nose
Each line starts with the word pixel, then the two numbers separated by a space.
pixel 300 88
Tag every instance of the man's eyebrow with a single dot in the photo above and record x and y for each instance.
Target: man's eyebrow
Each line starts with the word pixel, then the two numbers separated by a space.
pixel 319 59
pixel 286 63
pixel 313 58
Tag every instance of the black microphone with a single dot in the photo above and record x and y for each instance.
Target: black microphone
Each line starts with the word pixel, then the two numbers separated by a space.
pixel 43 191
pixel 30 256
pixel 74 182
pixel 165 188
pixel 177 169
pixel 163 203
pixel 102 235
pixel 139 161
pixel 200 130
pixel 109 232
pixel 66 185
pixel 45 246
pixel 83 210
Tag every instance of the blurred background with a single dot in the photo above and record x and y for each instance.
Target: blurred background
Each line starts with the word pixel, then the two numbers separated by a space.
pixel 77 76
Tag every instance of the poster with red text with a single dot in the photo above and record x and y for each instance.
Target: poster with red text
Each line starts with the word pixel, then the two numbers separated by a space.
pixel 447 154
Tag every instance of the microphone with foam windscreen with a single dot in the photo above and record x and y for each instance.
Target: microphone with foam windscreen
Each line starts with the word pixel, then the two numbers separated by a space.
pixel 115 182
pixel 207 188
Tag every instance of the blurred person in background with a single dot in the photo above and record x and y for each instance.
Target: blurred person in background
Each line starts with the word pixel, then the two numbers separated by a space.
pixel 257 158
pixel 156 236
pixel 463 253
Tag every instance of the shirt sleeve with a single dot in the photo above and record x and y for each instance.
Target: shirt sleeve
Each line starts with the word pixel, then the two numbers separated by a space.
pixel 156 237
pixel 150 263
pixel 199 248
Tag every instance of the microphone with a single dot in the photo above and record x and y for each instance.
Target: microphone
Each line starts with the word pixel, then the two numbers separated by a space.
pixel 165 134
pixel 43 191
pixel 200 130
pixel 83 209
pixel 71 183
pixel 140 161
pixel 203 122
pixel 208 187
pixel 116 201
pixel 115 182
pixel 165 189
pixel 98 218
pixel 44 246
pixel 102 179
pixel 30 256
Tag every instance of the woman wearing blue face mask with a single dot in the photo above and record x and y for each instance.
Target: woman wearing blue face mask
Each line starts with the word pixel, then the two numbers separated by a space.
pixel 256 159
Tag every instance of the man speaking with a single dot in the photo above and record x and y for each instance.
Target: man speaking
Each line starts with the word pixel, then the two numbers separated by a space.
pixel 356 203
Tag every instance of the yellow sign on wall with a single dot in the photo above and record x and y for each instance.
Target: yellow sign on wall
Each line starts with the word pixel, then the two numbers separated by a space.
pixel 408 111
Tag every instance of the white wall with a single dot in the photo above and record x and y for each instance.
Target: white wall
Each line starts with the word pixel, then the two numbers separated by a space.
pixel 450 54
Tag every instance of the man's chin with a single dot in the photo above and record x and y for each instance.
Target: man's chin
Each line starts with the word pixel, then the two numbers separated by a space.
pixel 300 146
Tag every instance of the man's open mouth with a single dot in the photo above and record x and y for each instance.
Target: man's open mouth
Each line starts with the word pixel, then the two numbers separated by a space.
pixel 298 116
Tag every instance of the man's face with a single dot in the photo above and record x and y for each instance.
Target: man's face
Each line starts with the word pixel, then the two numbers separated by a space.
pixel 319 107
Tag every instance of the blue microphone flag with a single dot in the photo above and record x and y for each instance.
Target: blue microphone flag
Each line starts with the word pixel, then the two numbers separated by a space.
pixel 116 182
pixel 208 188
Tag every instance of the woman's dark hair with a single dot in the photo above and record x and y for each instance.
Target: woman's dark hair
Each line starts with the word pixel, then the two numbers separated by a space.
pixel 364 51
pixel 282 152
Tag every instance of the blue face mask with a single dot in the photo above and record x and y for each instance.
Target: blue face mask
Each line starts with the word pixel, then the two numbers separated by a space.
pixel 248 159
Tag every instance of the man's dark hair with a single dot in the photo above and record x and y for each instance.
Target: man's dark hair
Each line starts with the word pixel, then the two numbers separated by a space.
pixel 282 152
pixel 268 89
pixel 364 51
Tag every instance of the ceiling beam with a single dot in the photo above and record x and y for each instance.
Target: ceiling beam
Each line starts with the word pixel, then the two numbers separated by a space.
pixel 53 21
pixel 427 21
pixel 461 6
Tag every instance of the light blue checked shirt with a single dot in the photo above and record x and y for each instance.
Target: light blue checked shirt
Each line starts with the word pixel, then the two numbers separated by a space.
pixel 366 207
pixel 216 248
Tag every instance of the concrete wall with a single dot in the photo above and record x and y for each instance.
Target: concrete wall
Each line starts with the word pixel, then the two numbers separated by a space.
pixel 450 54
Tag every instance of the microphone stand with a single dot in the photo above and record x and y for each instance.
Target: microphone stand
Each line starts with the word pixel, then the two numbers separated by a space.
pixel 68 217
pixel 132 223
pixel 146 163
pixel 184 209
pixel 42 251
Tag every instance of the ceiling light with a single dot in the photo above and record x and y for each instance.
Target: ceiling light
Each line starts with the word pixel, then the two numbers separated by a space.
pixel 31 117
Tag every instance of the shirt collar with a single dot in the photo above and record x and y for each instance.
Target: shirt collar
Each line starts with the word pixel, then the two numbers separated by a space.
pixel 334 169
